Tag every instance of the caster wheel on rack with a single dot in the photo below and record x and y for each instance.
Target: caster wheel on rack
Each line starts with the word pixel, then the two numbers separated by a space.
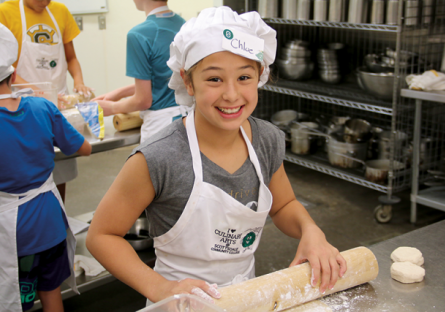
pixel 383 213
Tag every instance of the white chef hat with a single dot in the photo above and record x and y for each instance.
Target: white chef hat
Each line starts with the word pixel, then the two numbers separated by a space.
pixel 215 30
pixel 8 52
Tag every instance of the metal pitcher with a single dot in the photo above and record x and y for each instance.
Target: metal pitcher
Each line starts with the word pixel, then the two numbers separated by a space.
pixel 268 8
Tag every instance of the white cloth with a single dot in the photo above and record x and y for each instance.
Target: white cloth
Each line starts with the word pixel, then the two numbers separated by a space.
pixel 207 34
pixel 8 52
pixel 154 121
pixel 428 81
pixel 89 265
pixel 216 236
pixel 9 272
pixel 40 62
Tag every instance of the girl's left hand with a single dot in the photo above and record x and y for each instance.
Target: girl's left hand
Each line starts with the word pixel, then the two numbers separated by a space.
pixel 82 90
pixel 325 260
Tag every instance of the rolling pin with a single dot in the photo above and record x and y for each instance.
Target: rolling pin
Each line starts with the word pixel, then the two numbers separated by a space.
pixel 128 121
pixel 288 288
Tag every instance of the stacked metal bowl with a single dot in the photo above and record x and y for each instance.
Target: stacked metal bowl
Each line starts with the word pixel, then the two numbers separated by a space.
pixel 329 62
pixel 295 62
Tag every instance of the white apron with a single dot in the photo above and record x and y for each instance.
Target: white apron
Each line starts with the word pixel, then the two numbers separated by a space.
pixel 156 120
pixel 9 272
pixel 216 236
pixel 40 62
pixel 46 63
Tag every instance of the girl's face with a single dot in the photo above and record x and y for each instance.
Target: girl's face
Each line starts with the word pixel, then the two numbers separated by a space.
pixel 225 87
pixel 37 5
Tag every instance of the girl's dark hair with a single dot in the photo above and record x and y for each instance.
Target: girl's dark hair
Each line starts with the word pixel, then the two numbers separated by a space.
pixel 6 80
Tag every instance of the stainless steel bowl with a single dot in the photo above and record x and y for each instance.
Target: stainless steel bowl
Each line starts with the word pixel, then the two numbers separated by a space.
pixel 294 71
pixel 285 52
pixel 284 117
pixel 138 236
pixel 379 84
pixel 297 44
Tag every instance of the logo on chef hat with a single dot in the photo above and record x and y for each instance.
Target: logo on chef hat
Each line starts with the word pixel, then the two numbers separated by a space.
pixel 243 44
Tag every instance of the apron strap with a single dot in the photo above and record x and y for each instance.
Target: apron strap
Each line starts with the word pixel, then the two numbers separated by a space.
pixel 196 154
pixel 157 10
pixel 23 18
pixel 17 94
pixel 31 194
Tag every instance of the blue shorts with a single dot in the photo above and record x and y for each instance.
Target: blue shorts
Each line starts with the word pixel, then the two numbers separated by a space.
pixel 43 271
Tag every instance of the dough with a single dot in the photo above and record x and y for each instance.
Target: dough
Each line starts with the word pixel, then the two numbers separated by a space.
pixel 407 254
pixel 406 272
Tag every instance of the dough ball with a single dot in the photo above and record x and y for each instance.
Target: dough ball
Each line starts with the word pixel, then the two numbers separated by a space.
pixel 407 254
pixel 406 272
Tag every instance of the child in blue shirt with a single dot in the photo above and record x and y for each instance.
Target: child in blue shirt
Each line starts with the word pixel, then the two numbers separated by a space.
pixel 37 245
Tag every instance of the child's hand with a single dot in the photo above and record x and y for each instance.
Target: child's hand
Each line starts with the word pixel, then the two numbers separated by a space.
pixel 189 286
pixel 325 260
pixel 82 90
pixel 107 107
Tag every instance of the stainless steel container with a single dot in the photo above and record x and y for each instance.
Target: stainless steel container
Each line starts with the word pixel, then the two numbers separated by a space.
pixel 304 10
pixel 289 9
pixel 427 11
pixel 411 12
pixel 392 12
pixel 358 11
pixel 320 10
pixel 337 150
pixel 268 8
pixel 336 10
pixel 377 12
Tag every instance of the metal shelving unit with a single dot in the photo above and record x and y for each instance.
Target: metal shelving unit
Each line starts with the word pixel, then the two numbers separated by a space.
pixel 433 197
pixel 425 38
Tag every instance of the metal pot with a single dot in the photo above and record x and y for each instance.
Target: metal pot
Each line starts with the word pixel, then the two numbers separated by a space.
pixel 377 170
pixel 400 139
pixel 340 153
pixel 357 130
pixel 303 141
pixel 138 236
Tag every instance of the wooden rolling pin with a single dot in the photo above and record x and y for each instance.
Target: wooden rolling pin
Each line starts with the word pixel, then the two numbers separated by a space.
pixel 128 121
pixel 291 287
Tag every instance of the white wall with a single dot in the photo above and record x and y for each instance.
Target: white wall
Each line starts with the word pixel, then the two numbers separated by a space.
pixel 102 53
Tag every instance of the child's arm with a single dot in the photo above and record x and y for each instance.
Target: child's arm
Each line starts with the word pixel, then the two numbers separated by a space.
pixel 85 149
pixel 74 69
pixel 131 192
pixel 293 220
pixel 140 100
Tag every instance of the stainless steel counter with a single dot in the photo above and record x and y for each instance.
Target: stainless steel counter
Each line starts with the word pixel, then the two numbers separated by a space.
pixel 113 139
pixel 386 294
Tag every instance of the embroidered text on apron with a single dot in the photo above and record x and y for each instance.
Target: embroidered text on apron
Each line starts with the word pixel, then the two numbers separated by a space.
pixel 216 236
pixel 9 272
pixel 40 62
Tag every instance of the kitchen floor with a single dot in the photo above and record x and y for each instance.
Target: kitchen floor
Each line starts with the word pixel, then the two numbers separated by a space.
pixel 343 210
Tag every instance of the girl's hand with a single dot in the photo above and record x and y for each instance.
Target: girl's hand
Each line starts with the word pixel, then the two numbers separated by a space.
pixel 325 260
pixel 188 286
pixel 110 96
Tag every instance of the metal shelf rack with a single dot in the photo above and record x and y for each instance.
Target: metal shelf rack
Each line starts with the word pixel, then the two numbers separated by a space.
pixel 321 100
pixel 342 25
pixel 433 197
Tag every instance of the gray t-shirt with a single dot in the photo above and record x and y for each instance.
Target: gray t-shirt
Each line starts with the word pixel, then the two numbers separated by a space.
pixel 170 165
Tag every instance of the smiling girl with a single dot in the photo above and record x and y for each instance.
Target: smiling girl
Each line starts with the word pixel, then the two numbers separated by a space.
pixel 208 182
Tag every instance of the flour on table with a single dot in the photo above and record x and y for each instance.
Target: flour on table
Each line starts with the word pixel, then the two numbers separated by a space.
pixel 407 254
pixel 406 272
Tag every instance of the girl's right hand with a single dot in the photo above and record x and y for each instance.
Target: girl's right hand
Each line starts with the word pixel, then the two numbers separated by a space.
pixel 189 286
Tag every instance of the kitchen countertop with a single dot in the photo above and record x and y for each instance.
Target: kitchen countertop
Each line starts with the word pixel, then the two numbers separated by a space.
pixel 112 139
pixel 386 294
